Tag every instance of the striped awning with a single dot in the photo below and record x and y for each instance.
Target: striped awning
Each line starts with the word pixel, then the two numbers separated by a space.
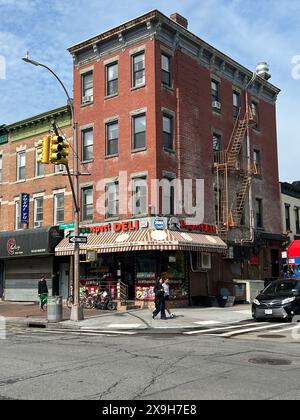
pixel 145 240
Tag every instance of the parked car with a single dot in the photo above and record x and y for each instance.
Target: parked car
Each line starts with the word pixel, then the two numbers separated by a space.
pixel 280 299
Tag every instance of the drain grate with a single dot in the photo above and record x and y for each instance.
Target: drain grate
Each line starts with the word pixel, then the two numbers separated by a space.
pixel 36 325
pixel 270 362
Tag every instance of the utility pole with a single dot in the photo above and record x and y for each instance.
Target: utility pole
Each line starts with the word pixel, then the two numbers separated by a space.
pixel 77 310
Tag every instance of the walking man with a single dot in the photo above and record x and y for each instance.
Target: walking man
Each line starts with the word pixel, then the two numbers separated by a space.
pixel 43 292
pixel 166 287
pixel 159 293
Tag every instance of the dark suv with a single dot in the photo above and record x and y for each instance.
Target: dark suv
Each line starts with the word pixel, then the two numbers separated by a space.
pixel 281 299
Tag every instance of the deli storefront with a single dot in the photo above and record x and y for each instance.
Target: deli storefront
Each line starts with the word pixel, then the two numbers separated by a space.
pixel 135 252
pixel 25 256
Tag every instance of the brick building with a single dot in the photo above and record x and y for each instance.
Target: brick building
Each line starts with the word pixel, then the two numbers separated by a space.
pixel 290 209
pixel 26 250
pixel 154 100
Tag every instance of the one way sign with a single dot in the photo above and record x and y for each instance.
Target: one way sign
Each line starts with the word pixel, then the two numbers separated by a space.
pixel 77 239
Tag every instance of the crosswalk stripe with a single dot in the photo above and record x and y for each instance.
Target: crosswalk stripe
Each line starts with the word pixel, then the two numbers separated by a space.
pixel 220 329
pixel 243 331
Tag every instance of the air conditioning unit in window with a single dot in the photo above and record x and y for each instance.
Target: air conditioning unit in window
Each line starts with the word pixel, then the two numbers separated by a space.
pixel 216 105
pixel 87 99
pixel 38 225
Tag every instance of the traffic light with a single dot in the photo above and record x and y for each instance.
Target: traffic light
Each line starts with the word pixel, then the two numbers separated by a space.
pixel 44 150
pixel 59 150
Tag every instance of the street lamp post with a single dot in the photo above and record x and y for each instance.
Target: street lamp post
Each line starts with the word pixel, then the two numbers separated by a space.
pixel 76 312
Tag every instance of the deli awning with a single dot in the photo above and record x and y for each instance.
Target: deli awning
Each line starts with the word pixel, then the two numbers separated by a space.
pixel 145 240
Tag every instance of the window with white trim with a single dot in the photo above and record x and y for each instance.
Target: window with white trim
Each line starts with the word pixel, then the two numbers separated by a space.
pixel 87 144
pixel 87 87
pixel 59 208
pixel 38 212
pixel 21 165
pixel 140 196
pixel 112 199
pixel 39 167
pixel 138 70
pixel 112 79
pixel 87 203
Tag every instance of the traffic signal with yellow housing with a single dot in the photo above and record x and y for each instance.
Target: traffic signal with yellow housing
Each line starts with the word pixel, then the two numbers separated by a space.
pixel 59 150
pixel 44 150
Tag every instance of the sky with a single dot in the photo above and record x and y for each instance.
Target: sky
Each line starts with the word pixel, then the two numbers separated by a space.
pixel 249 31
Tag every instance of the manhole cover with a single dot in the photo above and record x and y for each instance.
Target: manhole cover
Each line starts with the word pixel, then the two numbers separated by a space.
pixel 271 362
pixel 271 336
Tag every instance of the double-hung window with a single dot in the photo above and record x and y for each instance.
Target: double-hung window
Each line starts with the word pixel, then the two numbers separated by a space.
pixel 112 200
pixel 236 104
pixel 168 132
pixel 87 204
pixel 112 79
pixel 38 212
pixel 140 196
pixel 59 208
pixel 21 165
pixel 112 138
pixel 166 70
pixel 139 132
pixel 138 70
pixel 88 145
pixel 87 87
pixel 39 167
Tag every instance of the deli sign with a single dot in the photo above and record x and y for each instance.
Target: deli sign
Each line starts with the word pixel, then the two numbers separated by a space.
pixel 116 227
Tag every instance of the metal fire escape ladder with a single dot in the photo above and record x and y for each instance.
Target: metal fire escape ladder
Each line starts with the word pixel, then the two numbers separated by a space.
pixel 238 205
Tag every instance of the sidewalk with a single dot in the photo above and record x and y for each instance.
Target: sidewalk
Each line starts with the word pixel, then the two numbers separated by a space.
pixel 135 320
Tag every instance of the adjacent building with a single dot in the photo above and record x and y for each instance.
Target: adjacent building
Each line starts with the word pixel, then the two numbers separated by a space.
pixel 290 209
pixel 34 200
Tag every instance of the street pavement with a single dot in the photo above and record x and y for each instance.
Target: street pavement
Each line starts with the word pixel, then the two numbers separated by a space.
pixel 47 365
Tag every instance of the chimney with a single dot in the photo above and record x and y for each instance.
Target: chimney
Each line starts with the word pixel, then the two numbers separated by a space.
pixel 180 20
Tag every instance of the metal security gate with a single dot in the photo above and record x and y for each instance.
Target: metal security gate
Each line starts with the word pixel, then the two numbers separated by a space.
pixel 22 276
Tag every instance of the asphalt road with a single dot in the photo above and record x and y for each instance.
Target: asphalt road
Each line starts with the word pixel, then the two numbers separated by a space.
pixel 161 366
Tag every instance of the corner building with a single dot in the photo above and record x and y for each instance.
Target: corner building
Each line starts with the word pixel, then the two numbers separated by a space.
pixel 156 101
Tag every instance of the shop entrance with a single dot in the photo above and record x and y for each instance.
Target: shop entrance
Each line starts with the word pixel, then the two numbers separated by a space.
pixel 128 274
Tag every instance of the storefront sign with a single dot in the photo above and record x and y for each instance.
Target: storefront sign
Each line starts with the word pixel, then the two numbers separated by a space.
pixel 116 227
pixel 12 248
pixel 25 208
pixel 159 223
pixel 254 261
pixel 198 228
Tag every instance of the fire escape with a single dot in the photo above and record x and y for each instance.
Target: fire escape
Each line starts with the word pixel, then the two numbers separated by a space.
pixel 233 177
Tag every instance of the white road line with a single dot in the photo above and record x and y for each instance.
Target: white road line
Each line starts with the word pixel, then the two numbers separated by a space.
pixel 126 326
pixel 221 328
pixel 266 327
pixel 286 329
pixel 207 322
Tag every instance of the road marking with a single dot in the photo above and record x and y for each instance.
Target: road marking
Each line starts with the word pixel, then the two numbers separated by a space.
pixel 207 322
pixel 125 326
pixel 286 329
pixel 220 329
pixel 231 333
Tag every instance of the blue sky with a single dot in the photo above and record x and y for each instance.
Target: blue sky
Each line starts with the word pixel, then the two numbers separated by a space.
pixel 249 31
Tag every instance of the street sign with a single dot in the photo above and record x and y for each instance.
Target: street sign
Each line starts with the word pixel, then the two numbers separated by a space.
pixel 78 239
pixel 66 226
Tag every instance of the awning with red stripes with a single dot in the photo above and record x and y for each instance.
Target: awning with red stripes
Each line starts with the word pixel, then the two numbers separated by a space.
pixel 145 240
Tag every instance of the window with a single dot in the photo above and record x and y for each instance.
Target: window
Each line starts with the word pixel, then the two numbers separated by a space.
pixel 18 225
pixel 21 162
pixel 1 167
pixel 112 76
pixel 259 213
pixel 112 138
pixel 138 78
pixel 168 204
pixel 59 168
pixel 287 217
pixel 38 212
pixel 112 200
pixel 140 196
pixel 139 132
pixel 257 162
pixel 166 70
pixel 87 88
pixel 236 104
pixel 255 112
pixel 87 144
pixel 168 132
pixel 59 208
pixel 297 220
pixel 216 146
pixel 39 167
pixel 215 91
pixel 87 203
